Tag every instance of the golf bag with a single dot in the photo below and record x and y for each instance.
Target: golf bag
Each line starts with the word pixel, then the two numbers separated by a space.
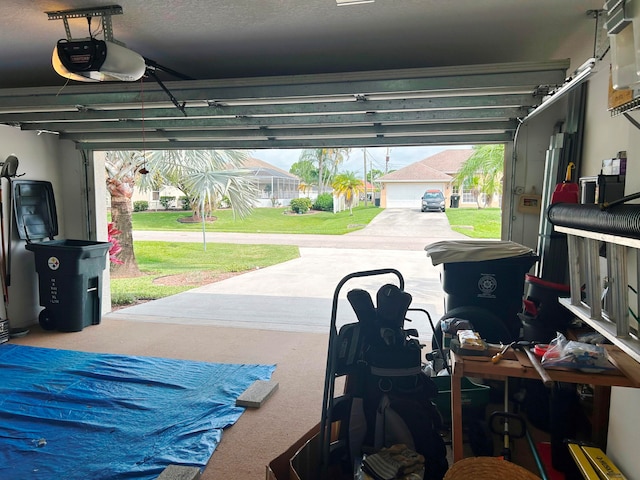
pixel 388 398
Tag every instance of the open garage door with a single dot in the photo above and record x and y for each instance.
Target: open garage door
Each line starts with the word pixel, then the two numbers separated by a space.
pixel 468 105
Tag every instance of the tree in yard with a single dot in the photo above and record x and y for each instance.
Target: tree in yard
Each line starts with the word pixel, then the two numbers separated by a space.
pixel 348 185
pixel 305 188
pixel 327 161
pixel 483 171
pixel 373 175
pixel 207 178
pixel 121 169
pixel 306 171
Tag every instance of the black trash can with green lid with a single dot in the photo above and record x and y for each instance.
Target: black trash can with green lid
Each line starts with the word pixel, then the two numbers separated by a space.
pixel 484 274
pixel 69 271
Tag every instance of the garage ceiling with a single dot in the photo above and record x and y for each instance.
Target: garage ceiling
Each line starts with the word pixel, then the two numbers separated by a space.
pixel 296 74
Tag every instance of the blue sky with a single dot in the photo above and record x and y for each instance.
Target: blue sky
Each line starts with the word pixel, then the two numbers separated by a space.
pixel 398 157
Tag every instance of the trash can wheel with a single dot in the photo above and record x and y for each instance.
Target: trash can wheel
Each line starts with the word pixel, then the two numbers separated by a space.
pixel 47 322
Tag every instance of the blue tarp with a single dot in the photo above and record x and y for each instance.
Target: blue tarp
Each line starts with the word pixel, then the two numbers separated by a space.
pixel 75 415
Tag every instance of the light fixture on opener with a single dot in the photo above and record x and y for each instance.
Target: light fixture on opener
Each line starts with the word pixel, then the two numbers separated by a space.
pixel 93 60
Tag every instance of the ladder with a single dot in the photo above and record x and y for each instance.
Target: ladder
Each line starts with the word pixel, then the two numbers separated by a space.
pixel 604 302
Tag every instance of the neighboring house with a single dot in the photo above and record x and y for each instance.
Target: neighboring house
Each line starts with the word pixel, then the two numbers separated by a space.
pixel 153 197
pixel 373 192
pixel 275 186
pixel 404 188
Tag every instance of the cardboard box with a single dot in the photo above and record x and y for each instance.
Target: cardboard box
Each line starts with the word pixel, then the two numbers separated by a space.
pixel 280 468
pixel 301 461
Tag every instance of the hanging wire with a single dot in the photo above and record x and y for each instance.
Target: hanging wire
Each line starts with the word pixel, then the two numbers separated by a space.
pixel 143 170
pixel 596 15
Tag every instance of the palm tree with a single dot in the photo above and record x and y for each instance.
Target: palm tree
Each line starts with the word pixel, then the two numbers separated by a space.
pixel 122 168
pixel 483 171
pixel 348 185
pixel 327 160
pixel 206 177
pixel 306 171
pixel 373 175
pixel 305 188
pixel 337 156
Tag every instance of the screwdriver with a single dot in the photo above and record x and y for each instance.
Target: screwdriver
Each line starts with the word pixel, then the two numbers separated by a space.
pixel 498 356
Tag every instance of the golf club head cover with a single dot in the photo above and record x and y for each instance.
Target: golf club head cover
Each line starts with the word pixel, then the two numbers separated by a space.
pixel 392 306
pixel 364 309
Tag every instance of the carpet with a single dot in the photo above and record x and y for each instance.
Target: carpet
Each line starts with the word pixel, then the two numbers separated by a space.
pixel 76 415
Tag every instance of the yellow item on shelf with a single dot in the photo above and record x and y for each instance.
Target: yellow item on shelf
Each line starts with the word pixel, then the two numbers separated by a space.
pixel 603 465
pixel 583 463
pixel 471 340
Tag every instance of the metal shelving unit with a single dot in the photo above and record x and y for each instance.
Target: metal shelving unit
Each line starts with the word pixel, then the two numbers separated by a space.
pixel 603 302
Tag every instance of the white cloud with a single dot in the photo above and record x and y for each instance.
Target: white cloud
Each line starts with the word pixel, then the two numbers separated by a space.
pixel 399 157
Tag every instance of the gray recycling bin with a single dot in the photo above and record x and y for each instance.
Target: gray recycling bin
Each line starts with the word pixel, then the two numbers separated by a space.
pixel 69 271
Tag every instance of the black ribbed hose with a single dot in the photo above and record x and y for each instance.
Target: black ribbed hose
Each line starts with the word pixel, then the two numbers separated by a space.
pixel 623 220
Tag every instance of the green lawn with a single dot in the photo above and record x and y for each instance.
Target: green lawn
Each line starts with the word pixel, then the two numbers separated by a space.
pixel 165 259
pixel 476 223
pixel 162 259
pixel 262 220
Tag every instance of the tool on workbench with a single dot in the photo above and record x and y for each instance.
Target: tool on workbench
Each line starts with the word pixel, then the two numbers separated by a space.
pixel 498 356
pixel 526 348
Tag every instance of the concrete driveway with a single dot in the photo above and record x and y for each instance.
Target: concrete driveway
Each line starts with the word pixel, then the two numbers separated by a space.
pixel 297 295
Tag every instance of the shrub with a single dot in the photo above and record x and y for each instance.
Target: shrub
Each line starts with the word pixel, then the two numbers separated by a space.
pixel 140 205
pixel 324 202
pixel 300 205
pixel 115 249
pixel 185 203
pixel 166 202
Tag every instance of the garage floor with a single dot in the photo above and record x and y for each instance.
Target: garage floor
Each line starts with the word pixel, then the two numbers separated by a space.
pixel 261 434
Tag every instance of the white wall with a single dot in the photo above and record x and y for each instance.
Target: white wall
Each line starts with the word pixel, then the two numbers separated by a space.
pixel 45 157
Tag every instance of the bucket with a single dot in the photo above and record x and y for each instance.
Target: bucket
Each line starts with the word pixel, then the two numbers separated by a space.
pixel 542 314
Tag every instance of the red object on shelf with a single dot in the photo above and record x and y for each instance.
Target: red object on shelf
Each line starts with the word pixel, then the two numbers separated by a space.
pixel 540 349
pixel 566 192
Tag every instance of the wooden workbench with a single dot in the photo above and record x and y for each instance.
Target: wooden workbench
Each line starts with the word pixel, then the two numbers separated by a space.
pixel 516 364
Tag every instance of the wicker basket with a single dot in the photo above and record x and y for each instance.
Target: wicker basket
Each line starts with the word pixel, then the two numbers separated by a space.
pixel 487 468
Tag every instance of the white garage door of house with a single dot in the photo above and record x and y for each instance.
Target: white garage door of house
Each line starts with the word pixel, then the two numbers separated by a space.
pixel 408 195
